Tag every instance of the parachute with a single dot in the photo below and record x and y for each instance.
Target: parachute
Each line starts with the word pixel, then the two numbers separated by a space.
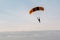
pixel 36 9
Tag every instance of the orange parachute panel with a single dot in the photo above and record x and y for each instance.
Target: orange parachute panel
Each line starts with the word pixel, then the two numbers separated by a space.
pixel 36 9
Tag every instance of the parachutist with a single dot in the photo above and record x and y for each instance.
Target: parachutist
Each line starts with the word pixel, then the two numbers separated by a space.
pixel 38 19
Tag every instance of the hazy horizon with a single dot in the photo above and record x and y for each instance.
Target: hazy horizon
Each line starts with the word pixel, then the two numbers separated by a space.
pixel 31 35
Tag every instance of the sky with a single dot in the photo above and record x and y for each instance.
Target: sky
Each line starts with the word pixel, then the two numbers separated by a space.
pixel 14 15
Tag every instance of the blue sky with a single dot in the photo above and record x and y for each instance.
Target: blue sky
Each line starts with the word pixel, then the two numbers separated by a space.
pixel 14 15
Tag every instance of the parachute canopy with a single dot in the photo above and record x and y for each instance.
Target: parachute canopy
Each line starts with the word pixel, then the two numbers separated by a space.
pixel 36 9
